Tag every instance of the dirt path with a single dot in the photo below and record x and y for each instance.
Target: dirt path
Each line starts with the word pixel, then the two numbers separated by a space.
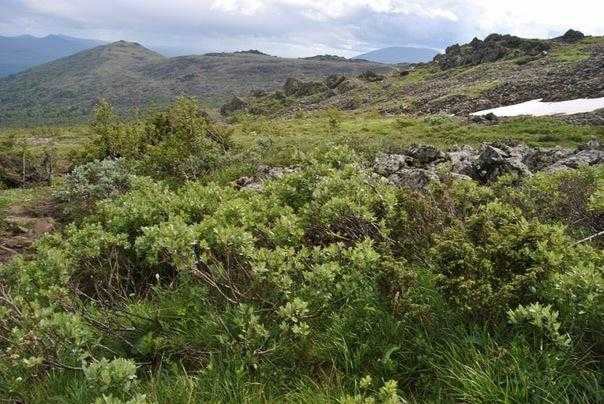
pixel 23 225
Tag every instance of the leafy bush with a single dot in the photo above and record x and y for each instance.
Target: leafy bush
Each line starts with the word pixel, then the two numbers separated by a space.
pixel 327 284
pixel 540 323
pixel 116 376
pixel 177 143
pixel 92 182
pixel 497 260
pixel 567 196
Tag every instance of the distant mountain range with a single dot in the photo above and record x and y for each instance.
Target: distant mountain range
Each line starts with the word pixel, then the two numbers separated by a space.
pixel 399 54
pixel 130 76
pixel 19 53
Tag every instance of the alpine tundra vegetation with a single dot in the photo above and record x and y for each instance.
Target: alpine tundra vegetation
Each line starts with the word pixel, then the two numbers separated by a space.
pixel 339 239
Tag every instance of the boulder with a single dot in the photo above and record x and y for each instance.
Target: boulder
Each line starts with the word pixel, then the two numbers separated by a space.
pixel 234 105
pixel 387 164
pixel 493 48
pixel 543 158
pixel 494 162
pixel 463 160
pixel 593 144
pixel 581 159
pixel 571 36
pixel 425 155
pixel 414 178
pixel 488 118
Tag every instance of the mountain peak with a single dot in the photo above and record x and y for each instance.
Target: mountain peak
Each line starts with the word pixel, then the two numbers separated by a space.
pixel 125 49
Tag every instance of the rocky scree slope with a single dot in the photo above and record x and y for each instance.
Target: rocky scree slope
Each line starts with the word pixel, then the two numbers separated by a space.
pixel 501 70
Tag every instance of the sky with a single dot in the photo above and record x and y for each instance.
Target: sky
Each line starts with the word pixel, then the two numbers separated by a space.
pixel 298 27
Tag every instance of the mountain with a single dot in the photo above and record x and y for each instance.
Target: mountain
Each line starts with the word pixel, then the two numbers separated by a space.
pixel 130 76
pixel 399 54
pixel 22 52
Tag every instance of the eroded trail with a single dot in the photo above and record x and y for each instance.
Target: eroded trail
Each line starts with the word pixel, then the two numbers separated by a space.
pixel 23 224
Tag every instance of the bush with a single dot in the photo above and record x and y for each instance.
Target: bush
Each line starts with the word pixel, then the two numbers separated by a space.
pixel 568 196
pixel 92 182
pixel 178 143
pixel 540 323
pixel 498 259
pixel 117 376
pixel 327 284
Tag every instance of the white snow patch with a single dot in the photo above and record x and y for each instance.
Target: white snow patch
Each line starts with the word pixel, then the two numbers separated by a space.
pixel 538 108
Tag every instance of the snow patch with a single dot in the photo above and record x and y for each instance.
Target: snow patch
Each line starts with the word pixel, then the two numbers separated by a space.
pixel 539 108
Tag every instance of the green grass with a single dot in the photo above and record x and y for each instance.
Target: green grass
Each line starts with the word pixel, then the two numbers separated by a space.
pixel 575 53
pixel 369 134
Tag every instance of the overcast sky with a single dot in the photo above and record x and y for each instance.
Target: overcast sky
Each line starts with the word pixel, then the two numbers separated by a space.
pixel 298 27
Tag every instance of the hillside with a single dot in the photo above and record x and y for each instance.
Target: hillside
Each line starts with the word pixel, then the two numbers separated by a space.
pixel 131 76
pixel 399 54
pixel 22 52
pixel 498 71
pixel 328 239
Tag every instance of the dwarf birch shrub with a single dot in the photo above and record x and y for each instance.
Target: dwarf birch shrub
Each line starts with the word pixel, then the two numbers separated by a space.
pixel 498 259
pixel 323 278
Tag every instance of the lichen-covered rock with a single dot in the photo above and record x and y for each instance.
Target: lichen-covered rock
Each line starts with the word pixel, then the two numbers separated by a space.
pixel 493 48
pixel 414 178
pixel 463 160
pixel 425 155
pixel 581 159
pixel 387 164
pixel 543 158
pixel 234 105
pixel 494 162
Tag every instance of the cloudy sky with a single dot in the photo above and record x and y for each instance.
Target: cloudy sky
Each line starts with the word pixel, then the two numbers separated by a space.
pixel 298 27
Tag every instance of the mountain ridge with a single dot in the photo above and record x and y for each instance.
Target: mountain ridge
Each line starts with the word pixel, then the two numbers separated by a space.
pixel 482 74
pixel 131 75
pixel 19 53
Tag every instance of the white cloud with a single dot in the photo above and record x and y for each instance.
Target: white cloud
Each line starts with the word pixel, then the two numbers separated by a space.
pixel 299 27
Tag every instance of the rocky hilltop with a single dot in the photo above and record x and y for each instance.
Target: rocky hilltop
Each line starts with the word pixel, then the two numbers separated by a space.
pixel 483 74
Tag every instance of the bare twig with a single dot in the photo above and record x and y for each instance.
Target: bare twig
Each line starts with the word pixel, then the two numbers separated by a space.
pixel 585 240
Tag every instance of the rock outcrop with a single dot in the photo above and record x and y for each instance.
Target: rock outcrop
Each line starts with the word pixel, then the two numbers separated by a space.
pixel 493 48
pixel 571 36
pixel 419 165
pixel 299 88
pixel 234 105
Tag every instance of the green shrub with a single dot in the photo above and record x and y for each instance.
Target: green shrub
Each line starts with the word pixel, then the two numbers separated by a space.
pixel 498 259
pixel 92 182
pixel 540 323
pixel 117 376
pixel 568 196
pixel 329 284
pixel 178 143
